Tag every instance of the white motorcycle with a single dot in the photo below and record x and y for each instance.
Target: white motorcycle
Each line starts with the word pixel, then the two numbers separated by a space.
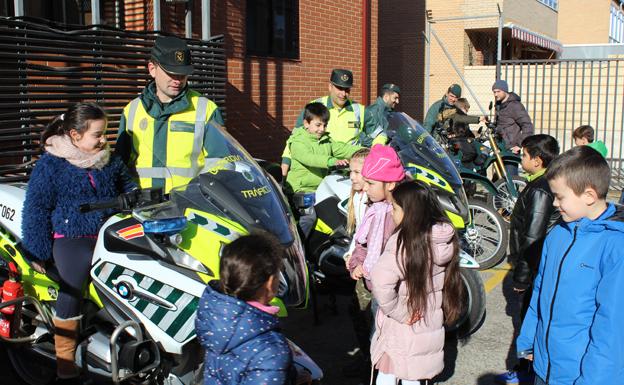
pixel 150 267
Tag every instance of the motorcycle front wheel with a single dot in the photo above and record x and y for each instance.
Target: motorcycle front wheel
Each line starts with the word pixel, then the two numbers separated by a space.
pixel 474 299
pixel 31 367
pixel 486 237
pixel 504 201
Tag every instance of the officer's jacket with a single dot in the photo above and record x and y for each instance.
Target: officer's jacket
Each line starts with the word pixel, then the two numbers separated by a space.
pixel 165 145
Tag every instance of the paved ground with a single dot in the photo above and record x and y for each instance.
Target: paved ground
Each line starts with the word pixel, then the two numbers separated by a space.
pixel 468 362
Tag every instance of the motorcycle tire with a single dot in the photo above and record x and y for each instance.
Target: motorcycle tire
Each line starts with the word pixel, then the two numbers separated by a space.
pixel 486 238
pixel 30 367
pixel 474 314
pixel 503 202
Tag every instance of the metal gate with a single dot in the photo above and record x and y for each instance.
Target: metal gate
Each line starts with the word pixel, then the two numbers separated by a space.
pixel 561 95
pixel 46 67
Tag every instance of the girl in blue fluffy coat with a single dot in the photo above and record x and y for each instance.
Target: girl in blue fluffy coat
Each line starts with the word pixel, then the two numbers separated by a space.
pixel 76 168
pixel 235 323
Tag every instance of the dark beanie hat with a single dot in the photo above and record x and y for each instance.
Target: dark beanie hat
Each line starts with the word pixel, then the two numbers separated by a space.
pixel 500 84
pixel 455 89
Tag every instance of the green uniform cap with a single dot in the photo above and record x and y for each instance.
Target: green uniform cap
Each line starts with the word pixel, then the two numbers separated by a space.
pixel 341 78
pixel 455 89
pixel 173 55
pixel 391 87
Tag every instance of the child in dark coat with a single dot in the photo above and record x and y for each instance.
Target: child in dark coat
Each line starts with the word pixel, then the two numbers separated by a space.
pixel 235 323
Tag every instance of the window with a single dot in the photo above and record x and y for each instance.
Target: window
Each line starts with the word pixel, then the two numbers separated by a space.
pixel 549 3
pixel 273 28
pixel 616 27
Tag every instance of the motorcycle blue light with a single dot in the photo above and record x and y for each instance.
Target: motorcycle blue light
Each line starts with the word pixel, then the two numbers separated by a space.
pixel 165 226
pixel 309 200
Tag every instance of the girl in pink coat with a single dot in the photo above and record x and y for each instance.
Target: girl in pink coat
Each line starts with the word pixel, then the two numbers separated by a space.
pixel 418 287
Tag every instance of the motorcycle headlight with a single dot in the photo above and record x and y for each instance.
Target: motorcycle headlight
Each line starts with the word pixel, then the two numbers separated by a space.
pixel 186 261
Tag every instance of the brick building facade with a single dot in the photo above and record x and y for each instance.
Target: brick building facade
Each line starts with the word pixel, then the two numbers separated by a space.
pixel 264 93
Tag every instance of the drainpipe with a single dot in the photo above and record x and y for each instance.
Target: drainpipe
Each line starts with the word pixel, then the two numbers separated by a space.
pixel 156 13
pixel 365 52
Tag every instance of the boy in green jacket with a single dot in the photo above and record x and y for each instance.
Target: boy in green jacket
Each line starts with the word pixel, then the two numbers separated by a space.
pixel 313 151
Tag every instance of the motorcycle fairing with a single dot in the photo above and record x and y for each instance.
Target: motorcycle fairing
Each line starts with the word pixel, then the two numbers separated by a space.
pixel 154 285
pixel 204 237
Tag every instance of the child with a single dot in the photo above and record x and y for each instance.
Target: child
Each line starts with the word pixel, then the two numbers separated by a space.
pixel 584 136
pixel 572 329
pixel 360 307
pixel 382 171
pixel 533 216
pixel 418 287
pixel 235 323
pixel 76 168
pixel 313 151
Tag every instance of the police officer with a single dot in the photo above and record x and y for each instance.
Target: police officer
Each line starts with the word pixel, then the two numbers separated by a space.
pixel 376 116
pixel 161 132
pixel 437 113
pixel 346 117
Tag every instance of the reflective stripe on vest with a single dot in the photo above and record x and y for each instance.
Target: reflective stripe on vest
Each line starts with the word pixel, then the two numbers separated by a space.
pixel 175 174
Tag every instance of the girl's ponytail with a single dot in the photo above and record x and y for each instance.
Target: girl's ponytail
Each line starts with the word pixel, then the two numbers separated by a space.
pixel 55 127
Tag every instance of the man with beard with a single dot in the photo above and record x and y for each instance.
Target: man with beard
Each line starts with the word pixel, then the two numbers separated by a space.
pixel 376 117
pixel 513 123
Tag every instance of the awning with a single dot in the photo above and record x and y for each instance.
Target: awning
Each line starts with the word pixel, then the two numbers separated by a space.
pixel 535 38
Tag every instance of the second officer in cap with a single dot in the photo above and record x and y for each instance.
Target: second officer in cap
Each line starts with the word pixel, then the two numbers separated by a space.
pixel 346 117
pixel 157 130
pixel 376 116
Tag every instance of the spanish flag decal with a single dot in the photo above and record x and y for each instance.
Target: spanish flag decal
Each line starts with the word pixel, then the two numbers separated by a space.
pixel 131 232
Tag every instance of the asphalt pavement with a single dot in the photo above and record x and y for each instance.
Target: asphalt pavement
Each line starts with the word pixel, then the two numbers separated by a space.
pixel 331 344
pixel 472 361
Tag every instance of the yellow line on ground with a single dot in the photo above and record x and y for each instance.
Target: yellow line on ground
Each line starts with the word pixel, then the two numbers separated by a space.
pixel 498 274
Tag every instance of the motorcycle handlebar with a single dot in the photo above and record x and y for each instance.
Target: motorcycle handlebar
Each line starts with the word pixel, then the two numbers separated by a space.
pixel 127 201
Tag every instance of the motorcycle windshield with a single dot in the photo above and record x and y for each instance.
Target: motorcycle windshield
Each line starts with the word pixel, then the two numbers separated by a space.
pixel 233 187
pixel 416 146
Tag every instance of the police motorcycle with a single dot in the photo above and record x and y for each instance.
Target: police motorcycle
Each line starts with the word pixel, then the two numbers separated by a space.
pixel 151 264
pixel 489 150
pixel 424 160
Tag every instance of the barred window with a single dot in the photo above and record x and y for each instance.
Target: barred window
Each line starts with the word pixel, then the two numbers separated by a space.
pixel 273 28
pixel 616 27
pixel 550 3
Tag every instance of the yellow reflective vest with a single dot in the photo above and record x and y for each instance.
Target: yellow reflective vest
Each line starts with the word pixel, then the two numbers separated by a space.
pixel 181 158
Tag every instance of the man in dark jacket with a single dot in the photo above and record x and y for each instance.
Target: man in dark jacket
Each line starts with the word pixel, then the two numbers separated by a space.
pixel 437 113
pixel 376 116
pixel 533 216
pixel 512 120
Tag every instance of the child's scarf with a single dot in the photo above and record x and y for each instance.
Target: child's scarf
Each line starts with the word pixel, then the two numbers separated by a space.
pixel 371 233
pixel 62 147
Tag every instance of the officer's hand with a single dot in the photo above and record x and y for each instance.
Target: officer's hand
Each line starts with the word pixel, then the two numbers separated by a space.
pixel 341 163
pixel 515 149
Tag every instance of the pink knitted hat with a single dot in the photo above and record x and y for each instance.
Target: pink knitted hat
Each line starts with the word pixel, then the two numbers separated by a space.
pixel 383 165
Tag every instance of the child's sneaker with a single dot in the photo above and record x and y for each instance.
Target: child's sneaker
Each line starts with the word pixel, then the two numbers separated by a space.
pixel 513 377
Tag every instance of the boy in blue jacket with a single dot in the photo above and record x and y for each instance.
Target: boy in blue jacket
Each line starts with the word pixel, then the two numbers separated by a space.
pixel 573 328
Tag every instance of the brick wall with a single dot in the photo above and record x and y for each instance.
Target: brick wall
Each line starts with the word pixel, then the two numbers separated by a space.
pixel 265 95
